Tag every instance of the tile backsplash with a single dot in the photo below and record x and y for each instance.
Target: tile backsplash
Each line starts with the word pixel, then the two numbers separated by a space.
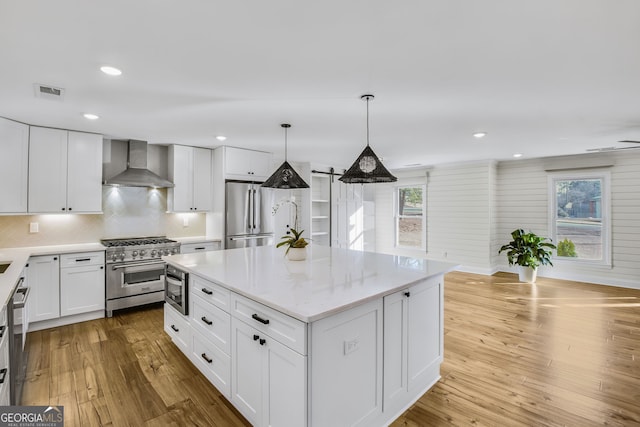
pixel 127 212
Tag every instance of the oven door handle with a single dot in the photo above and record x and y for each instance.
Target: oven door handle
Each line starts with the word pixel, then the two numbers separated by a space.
pixel 142 264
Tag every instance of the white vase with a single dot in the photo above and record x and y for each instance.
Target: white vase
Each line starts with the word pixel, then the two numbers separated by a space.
pixel 527 274
pixel 297 254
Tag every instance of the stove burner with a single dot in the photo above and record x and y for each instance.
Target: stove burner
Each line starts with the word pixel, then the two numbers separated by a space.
pixel 136 241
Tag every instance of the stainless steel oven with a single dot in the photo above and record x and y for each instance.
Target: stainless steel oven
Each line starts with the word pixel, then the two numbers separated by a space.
pixel 135 271
pixel 177 289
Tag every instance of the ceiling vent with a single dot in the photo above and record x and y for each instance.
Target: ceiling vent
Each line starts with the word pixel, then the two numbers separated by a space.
pixel 48 92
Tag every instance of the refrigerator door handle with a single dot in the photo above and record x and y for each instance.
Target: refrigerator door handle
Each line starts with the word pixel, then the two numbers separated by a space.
pixel 248 210
pixel 257 206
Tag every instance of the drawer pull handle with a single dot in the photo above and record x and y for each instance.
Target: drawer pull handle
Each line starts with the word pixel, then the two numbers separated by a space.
pixel 262 341
pixel 205 357
pixel 174 328
pixel 407 294
pixel 2 329
pixel 260 319
pixel 255 337
pixel 82 259
pixel 199 249
pixel 3 373
pixel 207 291
pixel 207 321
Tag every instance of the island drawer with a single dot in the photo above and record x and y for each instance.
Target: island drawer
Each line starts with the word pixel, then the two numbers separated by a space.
pixel 211 292
pixel 177 327
pixel 214 323
pixel 80 259
pixel 285 329
pixel 212 362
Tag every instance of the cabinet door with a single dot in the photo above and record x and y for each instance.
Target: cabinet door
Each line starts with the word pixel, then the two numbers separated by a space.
pixel 424 317
pixel 202 184
pixel 247 164
pixel 44 280
pixel 285 396
pixel 47 170
pixel 84 172
pixel 246 375
pixel 395 350
pixel 14 166
pixel 181 174
pixel 81 289
pixel 261 165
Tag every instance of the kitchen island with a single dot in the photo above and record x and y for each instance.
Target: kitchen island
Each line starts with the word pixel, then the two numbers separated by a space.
pixel 342 338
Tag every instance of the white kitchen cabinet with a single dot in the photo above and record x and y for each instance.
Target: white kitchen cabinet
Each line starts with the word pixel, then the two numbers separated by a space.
pixel 347 350
pixel 190 172
pixel 4 358
pixel 189 248
pixel 214 363
pixel 412 342
pixel 268 379
pixel 65 171
pixel 247 165
pixel 44 280
pixel 177 327
pixel 14 166
pixel 82 281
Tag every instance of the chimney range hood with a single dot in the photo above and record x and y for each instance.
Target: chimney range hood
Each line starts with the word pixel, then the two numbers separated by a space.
pixel 137 174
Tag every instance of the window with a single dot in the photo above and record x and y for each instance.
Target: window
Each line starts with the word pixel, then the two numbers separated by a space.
pixel 411 225
pixel 580 216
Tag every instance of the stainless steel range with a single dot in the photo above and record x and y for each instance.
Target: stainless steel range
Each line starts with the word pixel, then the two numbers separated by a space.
pixel 135 272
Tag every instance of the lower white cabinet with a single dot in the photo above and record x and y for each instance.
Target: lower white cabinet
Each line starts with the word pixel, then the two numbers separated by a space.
pixel 268 380
pixel 189 248
pixel 44 280
pixel 82 283
pixel 412 342
pixel 66 285
pixel 214 363
pixel 177 327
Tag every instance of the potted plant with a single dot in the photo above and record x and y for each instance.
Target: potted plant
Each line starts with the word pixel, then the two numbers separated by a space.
pixel 529 251
pixel 296 245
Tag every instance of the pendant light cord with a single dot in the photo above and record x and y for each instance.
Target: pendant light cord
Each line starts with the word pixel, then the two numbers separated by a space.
pixel 367 121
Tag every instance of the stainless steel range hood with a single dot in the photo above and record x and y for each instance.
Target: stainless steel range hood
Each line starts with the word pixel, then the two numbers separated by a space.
pixel 137 174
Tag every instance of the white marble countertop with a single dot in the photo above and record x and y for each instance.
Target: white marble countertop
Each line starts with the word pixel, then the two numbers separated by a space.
pixel 330 280
pixel 18 258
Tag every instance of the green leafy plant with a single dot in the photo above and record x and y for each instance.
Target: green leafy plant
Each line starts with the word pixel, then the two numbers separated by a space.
pixel 567 248
pixel 293 240
pixel 528 249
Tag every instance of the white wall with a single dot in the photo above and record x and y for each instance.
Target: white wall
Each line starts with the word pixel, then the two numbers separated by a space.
pixel 523 203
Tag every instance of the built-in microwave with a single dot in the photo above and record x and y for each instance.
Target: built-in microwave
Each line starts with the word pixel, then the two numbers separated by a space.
pixel 176 288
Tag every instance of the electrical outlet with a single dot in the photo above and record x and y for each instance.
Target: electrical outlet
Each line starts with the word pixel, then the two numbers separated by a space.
pixel 34 227
pixel 351 346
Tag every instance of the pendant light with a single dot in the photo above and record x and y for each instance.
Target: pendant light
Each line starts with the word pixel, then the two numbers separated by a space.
pixel 285 177
pixel 367 169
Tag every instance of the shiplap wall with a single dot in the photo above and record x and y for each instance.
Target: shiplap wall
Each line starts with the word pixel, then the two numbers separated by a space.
pixel 523 203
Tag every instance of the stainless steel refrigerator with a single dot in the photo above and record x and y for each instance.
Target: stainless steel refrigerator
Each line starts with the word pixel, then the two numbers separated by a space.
pixel 249 219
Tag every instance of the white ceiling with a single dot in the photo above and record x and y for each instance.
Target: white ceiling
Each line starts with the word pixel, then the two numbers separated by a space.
pixel 542 77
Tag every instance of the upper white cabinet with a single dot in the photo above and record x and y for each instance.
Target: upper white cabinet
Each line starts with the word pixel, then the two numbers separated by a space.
pixel 247 164
pixel 65 171
pixel 190 171
pixel 14 166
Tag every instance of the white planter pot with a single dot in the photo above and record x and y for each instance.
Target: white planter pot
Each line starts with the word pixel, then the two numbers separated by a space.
pixel 297 254
pixel 527 274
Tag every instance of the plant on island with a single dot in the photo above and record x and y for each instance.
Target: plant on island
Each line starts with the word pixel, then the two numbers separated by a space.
pixel 294 238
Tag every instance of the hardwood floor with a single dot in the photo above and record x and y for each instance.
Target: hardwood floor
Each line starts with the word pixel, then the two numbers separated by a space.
pixel 556 353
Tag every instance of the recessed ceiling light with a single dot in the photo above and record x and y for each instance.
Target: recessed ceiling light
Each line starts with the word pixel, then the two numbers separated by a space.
pixel 90 116
pixel 112 71
pixel 517 155
pixel 221 137
pixel 479 135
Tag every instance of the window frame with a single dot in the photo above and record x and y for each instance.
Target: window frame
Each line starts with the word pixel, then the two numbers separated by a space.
pixel 605 207
pixel 397 217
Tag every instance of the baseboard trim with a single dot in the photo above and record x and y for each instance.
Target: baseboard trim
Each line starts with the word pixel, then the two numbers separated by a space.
pixel 66 320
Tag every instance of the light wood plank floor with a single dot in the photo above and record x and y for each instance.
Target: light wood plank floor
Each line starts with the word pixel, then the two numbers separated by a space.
pixel 556 353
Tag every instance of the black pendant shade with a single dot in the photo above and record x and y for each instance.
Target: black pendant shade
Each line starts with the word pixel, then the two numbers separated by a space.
pixel 367 169
pixel 285 177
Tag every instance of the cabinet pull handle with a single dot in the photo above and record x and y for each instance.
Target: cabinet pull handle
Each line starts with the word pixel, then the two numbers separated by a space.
pixel 207 321
pixel 260 319
pixel 3 372
pixel 205 357
pixel 69 208
pixel 198 249
pixel 407 294
pixel 2 329
pixel 82 259
pixel 55 258
pixel 174 328
pixel 255 337
pixel 207 291
pixel 262 341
